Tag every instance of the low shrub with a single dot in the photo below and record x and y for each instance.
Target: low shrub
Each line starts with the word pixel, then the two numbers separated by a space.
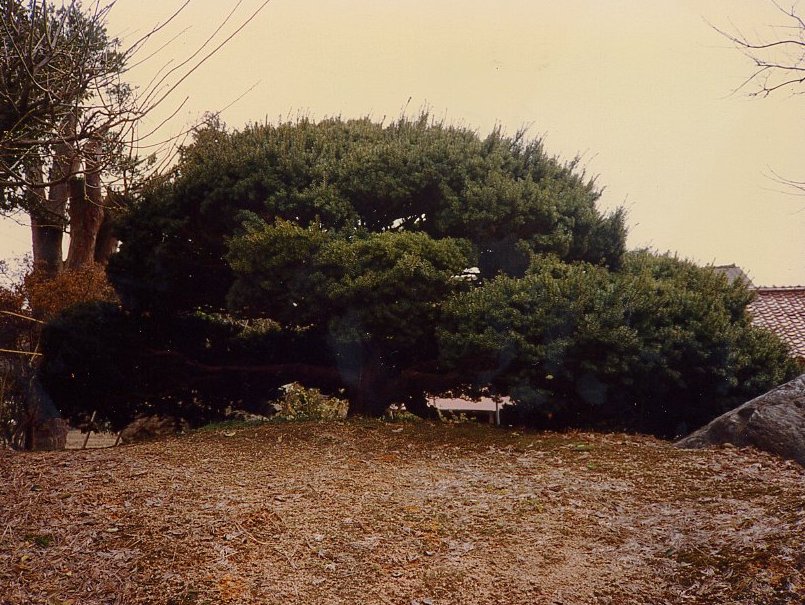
pixel 662 346
pixel 398 413
pixel 301 403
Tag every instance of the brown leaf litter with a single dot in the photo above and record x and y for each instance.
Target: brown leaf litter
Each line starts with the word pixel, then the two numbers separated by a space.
pixel 434 514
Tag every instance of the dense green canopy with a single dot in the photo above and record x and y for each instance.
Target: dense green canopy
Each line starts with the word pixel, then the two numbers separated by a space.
pixel 660 346
pixel 501 194
pixel 391 260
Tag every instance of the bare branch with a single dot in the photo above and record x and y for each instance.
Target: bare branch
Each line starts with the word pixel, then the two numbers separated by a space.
pixel 189 59
pixel 59 62
pixel 15 352
pixel 779 65
pixel 11 313
pixel 137 44
pixel 210 54
pixel 778 59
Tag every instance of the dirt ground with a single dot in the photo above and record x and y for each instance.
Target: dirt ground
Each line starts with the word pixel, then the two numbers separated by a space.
pixel 403 514
pixel 76 440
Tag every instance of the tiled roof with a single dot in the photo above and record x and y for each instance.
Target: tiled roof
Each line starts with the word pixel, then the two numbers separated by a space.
pixel 782 310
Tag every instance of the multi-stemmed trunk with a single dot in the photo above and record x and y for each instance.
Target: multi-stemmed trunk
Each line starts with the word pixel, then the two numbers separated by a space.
pixel 48 211
pixel 76 202
pixel 86 210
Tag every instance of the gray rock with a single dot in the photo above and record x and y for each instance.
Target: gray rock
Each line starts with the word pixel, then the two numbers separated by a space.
pixel 774 422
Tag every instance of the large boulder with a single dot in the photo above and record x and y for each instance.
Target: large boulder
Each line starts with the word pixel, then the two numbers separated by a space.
pixel 774 422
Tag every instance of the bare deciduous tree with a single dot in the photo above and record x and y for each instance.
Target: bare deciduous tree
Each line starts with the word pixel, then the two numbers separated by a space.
pixel 68 119
pixel 69 147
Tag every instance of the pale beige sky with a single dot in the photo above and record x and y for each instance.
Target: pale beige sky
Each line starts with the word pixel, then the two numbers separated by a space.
pixel 640 88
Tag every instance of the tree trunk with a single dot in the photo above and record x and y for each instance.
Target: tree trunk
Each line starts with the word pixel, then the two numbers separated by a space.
pixel 46 243
pixel 375 389
pixel 35 201
pixel 86 210
pixel 106 243
pixel 49 216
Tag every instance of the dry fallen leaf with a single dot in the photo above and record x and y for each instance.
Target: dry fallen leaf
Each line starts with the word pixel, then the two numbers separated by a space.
pixel 462 514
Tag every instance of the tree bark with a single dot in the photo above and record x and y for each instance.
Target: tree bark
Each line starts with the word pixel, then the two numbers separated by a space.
pixel 49 216
pixel 34 201
pixel 86 210
pixel 106 243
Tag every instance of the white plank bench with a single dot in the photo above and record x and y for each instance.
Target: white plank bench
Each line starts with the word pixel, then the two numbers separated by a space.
pixel 461 405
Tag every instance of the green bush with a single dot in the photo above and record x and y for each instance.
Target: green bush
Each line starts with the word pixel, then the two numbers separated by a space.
pixel 99 358
pixel 662 346
pixel 349 235
pixel 505 196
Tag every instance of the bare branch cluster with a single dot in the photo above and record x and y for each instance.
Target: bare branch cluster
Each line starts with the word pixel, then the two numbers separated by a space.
pixel 779 59
pixel 779 66
pixel 65 108
pixel 59 87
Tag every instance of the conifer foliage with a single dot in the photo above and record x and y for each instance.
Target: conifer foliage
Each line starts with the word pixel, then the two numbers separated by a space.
pixel 384 261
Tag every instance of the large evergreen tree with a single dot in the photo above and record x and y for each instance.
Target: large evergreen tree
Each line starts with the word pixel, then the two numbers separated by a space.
pixel 503 195
pixel 391 260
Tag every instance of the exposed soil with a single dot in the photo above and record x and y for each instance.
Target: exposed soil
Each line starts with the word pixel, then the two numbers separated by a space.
pixel 77 440
pixel 370 512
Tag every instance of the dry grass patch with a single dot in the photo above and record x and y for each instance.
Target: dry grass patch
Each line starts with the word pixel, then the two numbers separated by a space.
pixel 369 512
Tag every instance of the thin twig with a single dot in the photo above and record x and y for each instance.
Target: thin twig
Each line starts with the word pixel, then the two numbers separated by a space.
pixel 31 353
